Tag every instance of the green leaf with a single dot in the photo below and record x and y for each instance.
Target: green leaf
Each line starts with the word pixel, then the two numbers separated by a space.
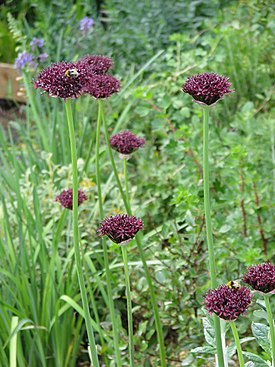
pixel 259 362
pixel 261 331
pixel 14 331
pixel 225 228
pixel 231 350
pixel 209 332
pixel 203 350
pixel 261 314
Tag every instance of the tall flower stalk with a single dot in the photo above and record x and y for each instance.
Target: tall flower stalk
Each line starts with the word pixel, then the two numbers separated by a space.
pixel 142 254
pixel 237 343
pixel 76 237
pixel 129 305
pixel 105 251
pixel 271 327
pixel 262 279
pixel 121 229
pixel 228 303
pixel 207 89
pixel 125 143
pixel 209 234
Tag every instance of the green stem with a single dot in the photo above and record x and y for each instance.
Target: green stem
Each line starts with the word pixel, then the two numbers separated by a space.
pixel 129 305
pixel 127 278
pixel 76 237
pixel 209 230
pixel 237 342
pixel 142 255
pixel 88 155
pixel 271 327
pixel 105 251
pixel 126 181
pixel 97 319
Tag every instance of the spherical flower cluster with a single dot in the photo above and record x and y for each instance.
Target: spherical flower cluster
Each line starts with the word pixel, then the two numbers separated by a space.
pixel 126 142
pixel 228 303
pixel 71 80
pixel 121 228
pixel 66 198
pixel 261 278
pixel 57 81
pixel 85 25
pixel 207 88
pixel 97 64
pixel 102 86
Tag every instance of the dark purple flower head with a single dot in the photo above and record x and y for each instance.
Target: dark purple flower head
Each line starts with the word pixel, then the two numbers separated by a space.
pixel 207 88
pixel 261 278
pixel 102 86
pixel 62 80
pixel 126 142
pixel 85 25
pixel 24 59
pixel 96 64
pixel 228 303
pixel 66 198
pixel 121 228
pixel 71 80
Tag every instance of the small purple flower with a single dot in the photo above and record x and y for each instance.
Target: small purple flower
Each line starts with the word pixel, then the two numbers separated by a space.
pixel 36 42
pixel 24 59
pixel 228 303
pixel 85 25
pixel 102 86
pixel 261 278
pixel 62 80
pixel 43 57
pixel 121 228
pixel 66 198
pixel 126 142
pixel 207 88
pixel 96 64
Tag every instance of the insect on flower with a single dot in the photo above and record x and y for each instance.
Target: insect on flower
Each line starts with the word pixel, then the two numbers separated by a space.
pixel 72 73
pixel 234 284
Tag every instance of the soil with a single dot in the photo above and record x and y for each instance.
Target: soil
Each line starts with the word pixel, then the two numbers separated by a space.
pixel 11 111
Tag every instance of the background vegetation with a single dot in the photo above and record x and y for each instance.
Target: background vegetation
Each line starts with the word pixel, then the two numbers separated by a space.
pixel 155 45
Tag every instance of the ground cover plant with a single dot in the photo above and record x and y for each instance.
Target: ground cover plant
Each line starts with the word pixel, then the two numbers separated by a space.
pixel 119 156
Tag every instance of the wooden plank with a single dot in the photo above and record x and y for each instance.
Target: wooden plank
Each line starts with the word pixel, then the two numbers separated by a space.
pixel 9 83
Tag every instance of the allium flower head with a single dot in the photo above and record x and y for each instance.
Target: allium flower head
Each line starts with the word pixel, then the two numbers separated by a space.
pixel 66 198
pixel 96 64
pixel 207 88
pixel 261 278
pixel 126 142
pixel 102 86
pixel 71 80
pixel 85 25
pixel 24 59
pixel 121 228
pixel 228 303
pixel 63 80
